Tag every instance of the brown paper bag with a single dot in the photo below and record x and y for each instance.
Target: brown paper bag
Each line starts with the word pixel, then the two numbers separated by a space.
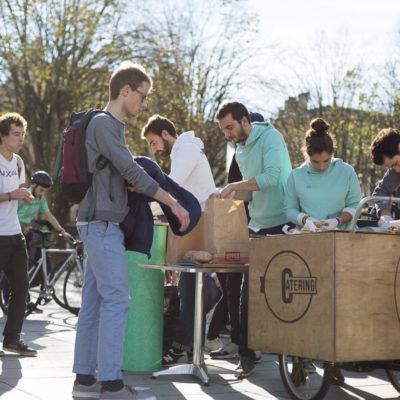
pixel 177 246
pixel 226 235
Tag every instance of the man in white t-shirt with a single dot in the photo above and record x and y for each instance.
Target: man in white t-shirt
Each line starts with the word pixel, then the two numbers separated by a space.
pixel 191 169
pixel 13 254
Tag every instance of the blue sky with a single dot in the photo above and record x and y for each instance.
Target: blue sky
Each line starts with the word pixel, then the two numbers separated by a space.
pixel 370 29
pixel 368 21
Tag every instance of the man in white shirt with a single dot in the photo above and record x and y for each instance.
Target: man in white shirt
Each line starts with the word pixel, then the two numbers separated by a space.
pixel 13 254
pixel 191 169
pixel 189 165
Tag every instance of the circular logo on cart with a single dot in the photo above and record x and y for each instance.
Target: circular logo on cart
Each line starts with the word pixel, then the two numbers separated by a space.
pixel 288 286
pixel 397 289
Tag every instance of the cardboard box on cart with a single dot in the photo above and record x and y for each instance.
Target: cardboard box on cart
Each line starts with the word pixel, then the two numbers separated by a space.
pixel 331 296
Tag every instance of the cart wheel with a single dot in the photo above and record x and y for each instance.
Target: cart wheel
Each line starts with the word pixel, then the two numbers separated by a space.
pixel 305 379
pixel 394 378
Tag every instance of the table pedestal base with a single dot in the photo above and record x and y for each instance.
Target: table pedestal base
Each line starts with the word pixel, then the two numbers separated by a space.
pixel 186 369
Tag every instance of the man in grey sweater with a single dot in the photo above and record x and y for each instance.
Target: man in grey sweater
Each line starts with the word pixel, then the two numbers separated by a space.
pixel 385 150
pixel 105 295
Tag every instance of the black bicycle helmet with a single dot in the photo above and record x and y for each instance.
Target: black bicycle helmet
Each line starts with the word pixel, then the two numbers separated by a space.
pixel 42 178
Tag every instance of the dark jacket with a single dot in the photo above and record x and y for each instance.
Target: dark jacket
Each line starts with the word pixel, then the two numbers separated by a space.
pixel 138 223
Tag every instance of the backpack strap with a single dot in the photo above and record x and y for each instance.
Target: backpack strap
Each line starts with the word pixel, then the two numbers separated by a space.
pixel 100 164
pixel 58 158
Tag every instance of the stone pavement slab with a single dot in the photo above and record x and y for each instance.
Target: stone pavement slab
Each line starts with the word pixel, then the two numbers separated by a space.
pixel 49 376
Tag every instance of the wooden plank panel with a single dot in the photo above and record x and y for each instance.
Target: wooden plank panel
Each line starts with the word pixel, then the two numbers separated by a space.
pixel 291 297
pixel 367 323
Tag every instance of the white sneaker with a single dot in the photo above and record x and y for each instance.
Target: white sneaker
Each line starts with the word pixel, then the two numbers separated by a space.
pixel 214 344
pixel 126 393
pixel 84 391
pixel 230 350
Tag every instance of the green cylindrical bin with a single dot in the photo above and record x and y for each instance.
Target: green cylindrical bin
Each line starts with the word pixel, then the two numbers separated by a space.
pixel 144 325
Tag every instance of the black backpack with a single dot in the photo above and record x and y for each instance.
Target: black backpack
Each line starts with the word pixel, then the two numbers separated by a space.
pixel 74 174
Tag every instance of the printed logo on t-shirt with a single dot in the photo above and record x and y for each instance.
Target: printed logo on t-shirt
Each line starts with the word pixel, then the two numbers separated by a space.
pixel 8 174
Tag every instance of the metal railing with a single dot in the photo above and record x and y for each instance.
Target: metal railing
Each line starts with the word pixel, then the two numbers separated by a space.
pixel 366 200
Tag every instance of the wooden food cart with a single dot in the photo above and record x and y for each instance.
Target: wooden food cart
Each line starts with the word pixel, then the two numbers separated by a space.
pixel 331 296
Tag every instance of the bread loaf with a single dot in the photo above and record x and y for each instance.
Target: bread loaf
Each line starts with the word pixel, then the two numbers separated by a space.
pixel 197 255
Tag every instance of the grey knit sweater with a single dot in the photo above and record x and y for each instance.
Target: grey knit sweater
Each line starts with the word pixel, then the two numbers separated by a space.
pixel 106 136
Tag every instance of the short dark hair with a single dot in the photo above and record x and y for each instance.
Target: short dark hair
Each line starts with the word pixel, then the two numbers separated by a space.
pixel 386 144
pixel 318 139
pixel 7 120
pixel 130 74
pixel 237 109
pixel 156 124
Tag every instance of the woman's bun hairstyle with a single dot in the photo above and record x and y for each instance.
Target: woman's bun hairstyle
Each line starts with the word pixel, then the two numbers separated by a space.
pixel 318 139
pixel 319 126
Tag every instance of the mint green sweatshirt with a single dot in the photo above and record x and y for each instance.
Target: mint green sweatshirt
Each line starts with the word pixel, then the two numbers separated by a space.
pixel 322 195
pixel 264 157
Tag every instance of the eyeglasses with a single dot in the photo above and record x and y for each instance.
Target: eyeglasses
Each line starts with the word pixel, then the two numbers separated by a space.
pixel 144 96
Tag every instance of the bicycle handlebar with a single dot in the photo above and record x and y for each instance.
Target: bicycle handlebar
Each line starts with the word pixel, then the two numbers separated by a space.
pixel 74 243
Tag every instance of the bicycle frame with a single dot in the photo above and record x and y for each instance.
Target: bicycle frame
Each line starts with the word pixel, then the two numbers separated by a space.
pixel 42 264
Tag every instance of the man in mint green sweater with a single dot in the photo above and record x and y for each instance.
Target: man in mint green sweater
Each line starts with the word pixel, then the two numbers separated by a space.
pixel 264 162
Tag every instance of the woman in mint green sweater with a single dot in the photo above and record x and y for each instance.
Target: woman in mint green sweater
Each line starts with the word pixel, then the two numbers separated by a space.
pixel 323 187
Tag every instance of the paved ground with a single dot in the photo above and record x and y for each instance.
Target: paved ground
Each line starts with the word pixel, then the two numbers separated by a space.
pixel 49 376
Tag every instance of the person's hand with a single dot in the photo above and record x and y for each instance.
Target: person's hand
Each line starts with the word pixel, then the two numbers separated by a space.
pixel 226 191
pixel 309 225
pixel 311 219
pixel 330 224
pixel 182 215
pixel 67 237
pixel 26 229
pixel 22 194
pixel 384 221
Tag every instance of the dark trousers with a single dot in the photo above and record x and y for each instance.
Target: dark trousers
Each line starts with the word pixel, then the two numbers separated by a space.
pixel 14 264
pixel 244 350
pixel 186 291
pixel 220 315
pixel 228 303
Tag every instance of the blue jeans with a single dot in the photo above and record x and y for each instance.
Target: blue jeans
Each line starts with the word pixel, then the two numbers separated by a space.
pixel 105 303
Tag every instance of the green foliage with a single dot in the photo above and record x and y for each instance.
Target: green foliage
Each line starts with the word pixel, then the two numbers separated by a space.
pixel 56 56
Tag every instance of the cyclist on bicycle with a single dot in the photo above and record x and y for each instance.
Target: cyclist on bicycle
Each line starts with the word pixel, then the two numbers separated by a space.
pixel 40 184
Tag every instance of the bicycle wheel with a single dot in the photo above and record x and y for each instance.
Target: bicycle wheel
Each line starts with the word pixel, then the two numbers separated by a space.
pixel 302 385
pixel 394 378
pixel 73 289
pixel 36 295
pixel 58 285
